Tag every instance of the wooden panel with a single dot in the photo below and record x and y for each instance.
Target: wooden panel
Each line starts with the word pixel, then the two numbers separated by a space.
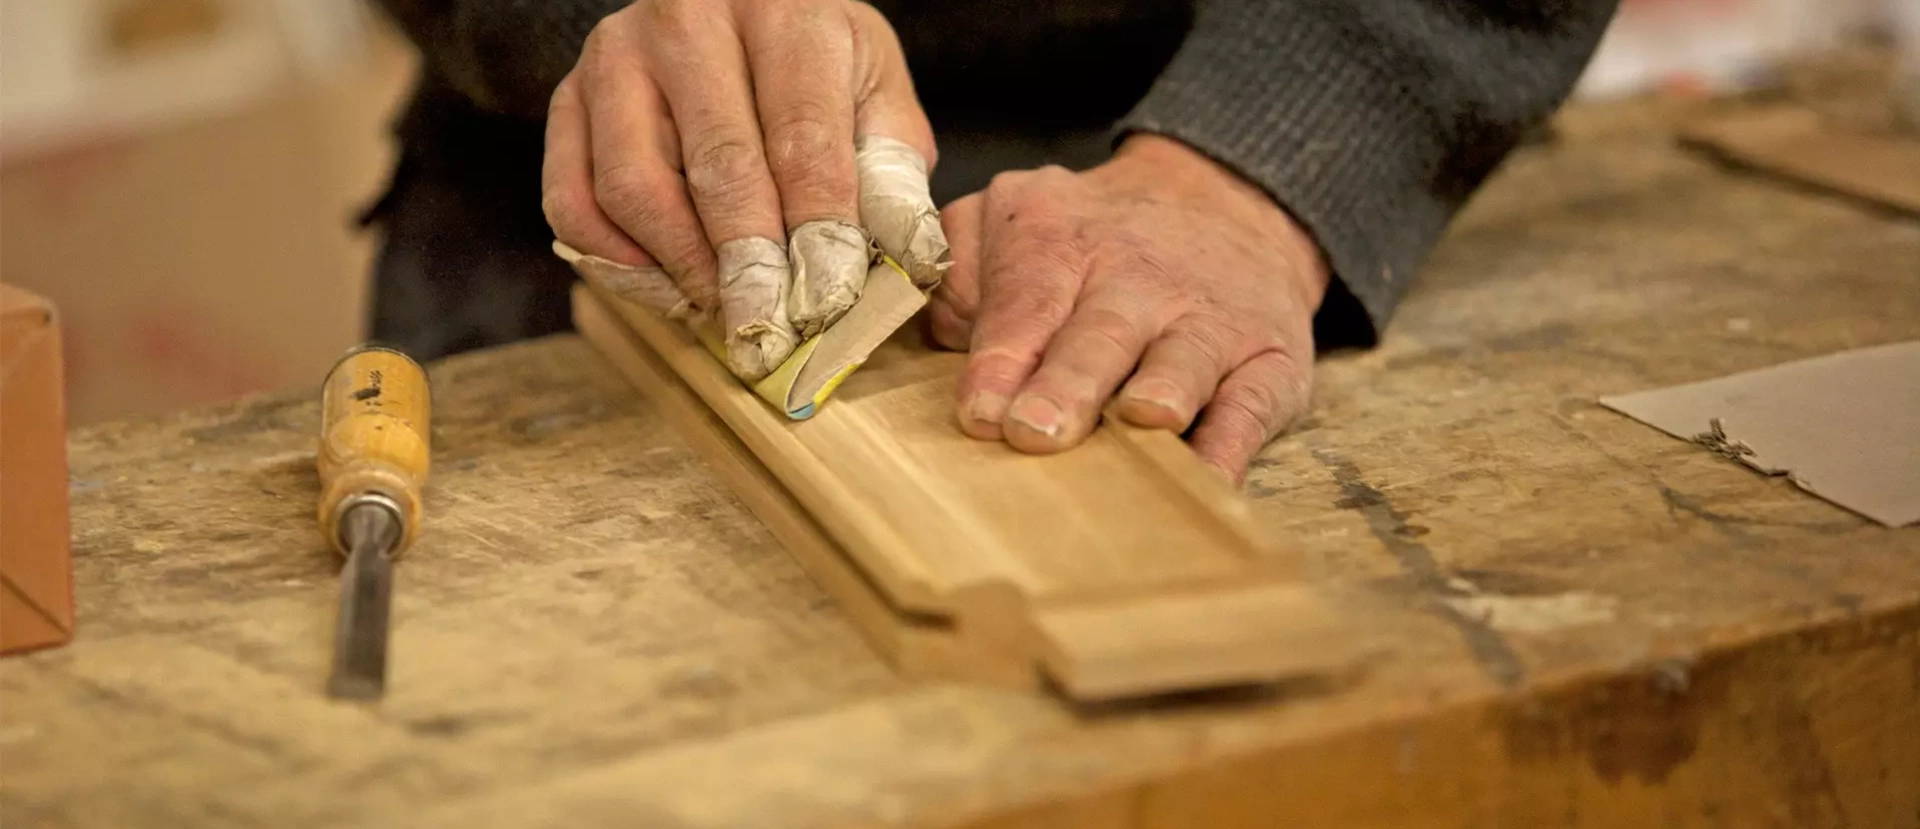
pixel 1793 143
pixel 929 512
pixel 1117 569
pixel 918 643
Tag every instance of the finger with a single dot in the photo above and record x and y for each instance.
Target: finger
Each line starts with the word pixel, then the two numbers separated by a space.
pixel 896 205
pixel 597 249
pixel 753 300
pixel 635 179
pixel 1029 279
pixel 647 286
pixel 884 98
pixel 830 262
pixel 895 154
pixel 801 55
pixel 566 184
pixel 1096 349
pixel 953 304
pixel 698 61
pixel 1179 372
pixel 1253 404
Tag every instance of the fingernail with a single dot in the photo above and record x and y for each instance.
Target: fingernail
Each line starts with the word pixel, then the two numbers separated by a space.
pixel 985 409
pixel 1037 413
pixel 1156 401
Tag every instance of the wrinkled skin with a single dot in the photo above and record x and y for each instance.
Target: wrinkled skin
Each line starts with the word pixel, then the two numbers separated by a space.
pixel 697 137
pixel 1158 281
pixel 701 141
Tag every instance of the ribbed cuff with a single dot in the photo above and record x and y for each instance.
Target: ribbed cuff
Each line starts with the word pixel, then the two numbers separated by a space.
pixel 1370 121
pixel 1291 98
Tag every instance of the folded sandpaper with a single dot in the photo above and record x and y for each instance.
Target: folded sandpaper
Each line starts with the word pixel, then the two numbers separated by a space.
pixel 801 384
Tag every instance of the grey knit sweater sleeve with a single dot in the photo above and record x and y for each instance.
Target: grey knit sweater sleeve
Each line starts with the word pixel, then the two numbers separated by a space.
pixel 1371 121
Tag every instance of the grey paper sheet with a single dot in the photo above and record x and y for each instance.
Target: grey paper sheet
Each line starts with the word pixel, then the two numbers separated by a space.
pixel 1845 427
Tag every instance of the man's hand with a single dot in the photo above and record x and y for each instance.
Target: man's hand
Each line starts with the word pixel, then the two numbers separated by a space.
pixel 1159 275
pixel 739 152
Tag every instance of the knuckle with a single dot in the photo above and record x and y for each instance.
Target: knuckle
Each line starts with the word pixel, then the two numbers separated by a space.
pixel 677 19
pixel 602 60
pixel 1212 338
pixel 603 36
pixel 1245 411
pixel 801 145
pixel 811 17
pixel 1294 375
pixel 1005 186
pixel 723 169
pixel 1110 330
pixel 631 194
pixel 1269 401
pixel 1148 264
pixel 1053 172
pixel 996 366
pixel 561 212
pixel 1037 311
pixel 563 94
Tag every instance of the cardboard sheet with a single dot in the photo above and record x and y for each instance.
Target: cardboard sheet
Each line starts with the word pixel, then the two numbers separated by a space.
pixel 1845 427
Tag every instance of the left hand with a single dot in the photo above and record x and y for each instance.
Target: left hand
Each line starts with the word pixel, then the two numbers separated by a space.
pixel 1159 275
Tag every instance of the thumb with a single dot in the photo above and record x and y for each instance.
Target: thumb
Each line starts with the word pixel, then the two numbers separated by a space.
pixel 950 314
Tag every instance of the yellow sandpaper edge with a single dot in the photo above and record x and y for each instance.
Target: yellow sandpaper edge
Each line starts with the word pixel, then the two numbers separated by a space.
pixel 776 389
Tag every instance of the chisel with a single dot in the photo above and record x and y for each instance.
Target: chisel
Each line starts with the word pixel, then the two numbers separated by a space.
pixel 373 461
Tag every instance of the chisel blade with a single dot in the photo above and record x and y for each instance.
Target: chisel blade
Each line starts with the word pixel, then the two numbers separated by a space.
pixel 366 592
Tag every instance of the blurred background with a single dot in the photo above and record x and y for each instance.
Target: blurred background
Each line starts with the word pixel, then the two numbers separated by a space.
pixel 182 177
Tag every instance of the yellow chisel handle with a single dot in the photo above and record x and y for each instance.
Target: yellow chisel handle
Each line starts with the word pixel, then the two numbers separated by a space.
pixel 374 413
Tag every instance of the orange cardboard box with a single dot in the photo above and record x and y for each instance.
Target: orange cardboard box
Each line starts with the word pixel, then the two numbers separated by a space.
pixel 36 574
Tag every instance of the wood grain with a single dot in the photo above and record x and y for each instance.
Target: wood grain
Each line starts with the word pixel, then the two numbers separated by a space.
pixel 921 643
pixel 1074 571
pixel 929 513
pixel 1599 626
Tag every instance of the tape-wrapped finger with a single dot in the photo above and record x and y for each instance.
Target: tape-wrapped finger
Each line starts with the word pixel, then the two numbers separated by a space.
pixel 755 285
pixel 896 205
pixel 830 261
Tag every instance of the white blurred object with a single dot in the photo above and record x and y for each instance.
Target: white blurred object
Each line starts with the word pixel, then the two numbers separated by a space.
pixel 1713 46
pixel 78 71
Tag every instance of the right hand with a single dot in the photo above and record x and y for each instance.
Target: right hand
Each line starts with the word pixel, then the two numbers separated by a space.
pixel 738 153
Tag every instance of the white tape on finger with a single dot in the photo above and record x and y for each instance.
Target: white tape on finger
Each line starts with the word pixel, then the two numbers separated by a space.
pixel 755 282
pixel 830 261
pixel 897 207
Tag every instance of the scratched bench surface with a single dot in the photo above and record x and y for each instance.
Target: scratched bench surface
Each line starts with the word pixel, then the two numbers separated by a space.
pixel 1617 628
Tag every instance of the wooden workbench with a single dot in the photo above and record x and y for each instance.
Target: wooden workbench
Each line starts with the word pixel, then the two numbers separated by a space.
pixel 1618 628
